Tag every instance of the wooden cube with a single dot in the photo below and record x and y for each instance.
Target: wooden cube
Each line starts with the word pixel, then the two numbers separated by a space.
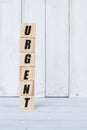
pixel 27 102
pixel 27 45
pixel 26 73
pixel 28 30
pixel 27 59
pixel 26 88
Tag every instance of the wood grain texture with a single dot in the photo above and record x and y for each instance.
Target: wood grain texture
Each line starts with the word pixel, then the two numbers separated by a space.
pixel 27 59
pixel 57 48
pixel 27 73
pixel 31 88
pixel 27 45
pixel 78 51
pixel 10 21
pixel 32 29
pixel 27 102
pixel 33 11
pixel 49 114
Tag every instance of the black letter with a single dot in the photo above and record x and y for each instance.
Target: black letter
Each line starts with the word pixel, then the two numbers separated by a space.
pixel 28 44
pixel 27 30
pixel 26 102
pixel 27 58
pixel 26 89
pixel 26 74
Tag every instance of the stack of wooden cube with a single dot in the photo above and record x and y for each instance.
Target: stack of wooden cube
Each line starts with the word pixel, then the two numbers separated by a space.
pixel 27 66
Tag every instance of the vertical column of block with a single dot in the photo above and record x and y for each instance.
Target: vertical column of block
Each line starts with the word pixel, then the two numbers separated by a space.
pixel 27 66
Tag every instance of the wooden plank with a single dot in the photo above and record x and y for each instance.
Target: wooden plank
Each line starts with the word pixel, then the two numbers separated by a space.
pixel 9 106
pixel 11 128
pixel 78 103
pixel 57 48
pixel 27 73
pixel 27 45
pixel 10 21
pixel 26 88
pixel 37 125
pixel 28 30
pixel 51 128
pixel 78 51
pixel 27 102
pixel 27 59
pixel 34 12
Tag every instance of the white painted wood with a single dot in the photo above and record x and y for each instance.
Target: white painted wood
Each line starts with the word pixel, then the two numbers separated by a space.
pixel 56 47
pixel 49 113
pixel 78 48
pixel 12 128
pixel 10 19
pixel 33 11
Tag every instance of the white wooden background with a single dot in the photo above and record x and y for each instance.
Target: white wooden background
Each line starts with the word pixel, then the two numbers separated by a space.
pixel 61 42
pixel 57 48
